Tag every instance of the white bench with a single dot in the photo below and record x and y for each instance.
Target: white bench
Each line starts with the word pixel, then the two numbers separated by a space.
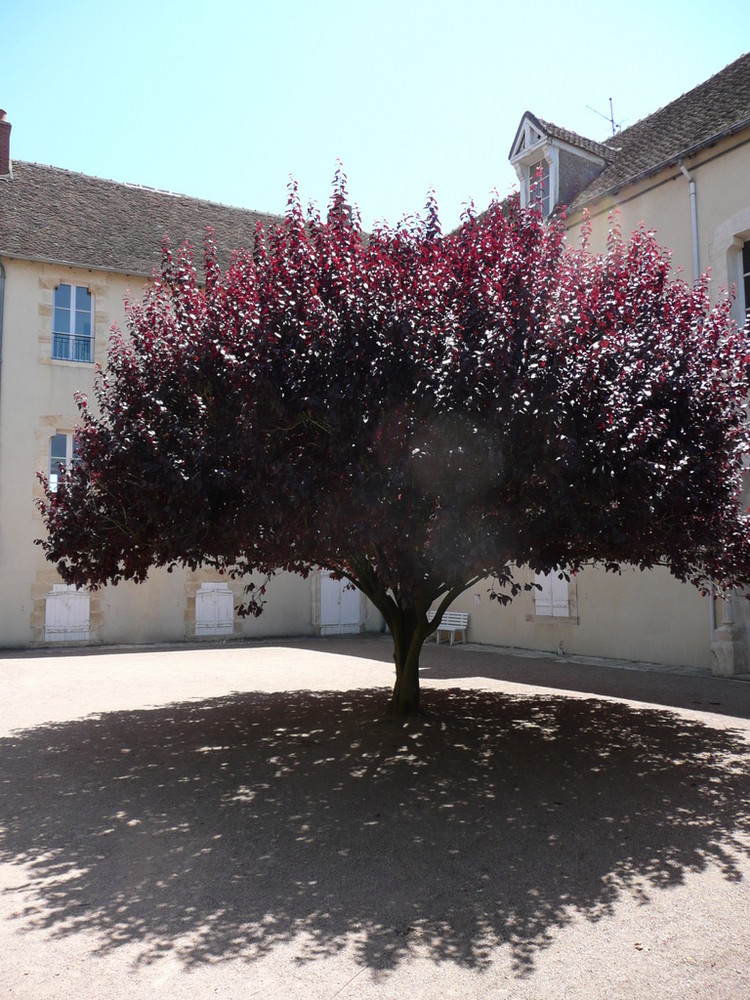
pixel 454 622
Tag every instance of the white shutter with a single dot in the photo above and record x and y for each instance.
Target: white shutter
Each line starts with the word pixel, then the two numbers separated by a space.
pixel 340 607
pixel 66 614
pixel 543 597
pixel 560 607
pixel 349 608
pixel 330 605
pixel 214 609
pixel 552 600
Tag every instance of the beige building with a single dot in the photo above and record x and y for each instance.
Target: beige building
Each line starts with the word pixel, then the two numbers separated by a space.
pixel 71 246
pixel 684 172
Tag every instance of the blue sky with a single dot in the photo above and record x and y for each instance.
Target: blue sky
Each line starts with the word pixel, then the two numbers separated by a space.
pixel 224 100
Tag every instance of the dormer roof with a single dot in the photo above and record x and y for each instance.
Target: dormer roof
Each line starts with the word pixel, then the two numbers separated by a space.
pixel 533 132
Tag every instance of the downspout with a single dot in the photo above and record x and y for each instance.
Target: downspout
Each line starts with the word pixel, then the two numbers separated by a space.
pixel 696 275
pixel 693 218
pixel 5 173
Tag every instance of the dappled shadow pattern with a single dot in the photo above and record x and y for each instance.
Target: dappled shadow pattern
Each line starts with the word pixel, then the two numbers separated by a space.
pixel 216 830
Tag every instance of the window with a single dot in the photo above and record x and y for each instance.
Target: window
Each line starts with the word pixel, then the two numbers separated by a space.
pixel 63 451
pixel 539 186
pixel 72 324
pixel 552 600
pixel 746 278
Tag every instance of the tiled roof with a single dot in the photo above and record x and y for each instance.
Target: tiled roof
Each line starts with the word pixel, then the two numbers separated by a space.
pixel 573 139
pixel 715 108
pixel 56 215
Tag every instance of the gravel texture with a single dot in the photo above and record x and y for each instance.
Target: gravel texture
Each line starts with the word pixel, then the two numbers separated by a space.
pixel 242 820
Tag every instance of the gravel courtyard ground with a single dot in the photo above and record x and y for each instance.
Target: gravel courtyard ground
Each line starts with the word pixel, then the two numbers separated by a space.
pixel 241 821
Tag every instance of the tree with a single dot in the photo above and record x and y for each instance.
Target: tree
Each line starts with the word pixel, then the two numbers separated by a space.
pixel 414 412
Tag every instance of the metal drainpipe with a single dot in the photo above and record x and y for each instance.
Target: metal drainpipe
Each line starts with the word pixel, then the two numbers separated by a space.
pixel 696 275
pixel 694 220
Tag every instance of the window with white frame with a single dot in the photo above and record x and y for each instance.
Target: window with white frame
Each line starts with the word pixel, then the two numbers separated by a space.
pixel 63 451
pixel 551 595
pixel 73 324
pixel 746 279
pixel 539 186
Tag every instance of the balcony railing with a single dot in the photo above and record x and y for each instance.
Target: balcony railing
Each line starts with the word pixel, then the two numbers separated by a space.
pixel 68 347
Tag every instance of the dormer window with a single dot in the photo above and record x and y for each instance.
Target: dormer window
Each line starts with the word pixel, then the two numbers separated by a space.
pixel 536 161
pixel 553 165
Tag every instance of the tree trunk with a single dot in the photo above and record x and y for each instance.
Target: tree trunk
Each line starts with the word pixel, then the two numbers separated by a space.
pixel 408 637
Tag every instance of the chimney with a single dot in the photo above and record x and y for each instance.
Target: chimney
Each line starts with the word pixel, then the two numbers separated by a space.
pixel 4 145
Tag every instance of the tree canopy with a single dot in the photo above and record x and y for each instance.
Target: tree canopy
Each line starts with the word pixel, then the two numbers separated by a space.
pixel 414 412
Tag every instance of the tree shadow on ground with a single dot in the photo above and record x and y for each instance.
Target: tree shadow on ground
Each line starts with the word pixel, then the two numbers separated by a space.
pixel 219 829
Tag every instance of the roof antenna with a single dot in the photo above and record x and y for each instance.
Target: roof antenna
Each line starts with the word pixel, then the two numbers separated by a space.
pixel 615 126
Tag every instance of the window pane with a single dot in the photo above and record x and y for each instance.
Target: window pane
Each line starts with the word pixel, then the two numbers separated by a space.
pixel 83 298
pixel 83 314
pixel 539 185
pixel 58 447
pixel 57 455
pixel 83 324
pixel 62 296
pixel 61 321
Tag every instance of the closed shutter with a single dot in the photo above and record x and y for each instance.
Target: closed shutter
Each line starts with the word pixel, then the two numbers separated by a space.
pixel 66 615
pixel 340 607
pixel 350 609
pixel 214 610
pixel 552 600
pixel 543 597
pixel 560 607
